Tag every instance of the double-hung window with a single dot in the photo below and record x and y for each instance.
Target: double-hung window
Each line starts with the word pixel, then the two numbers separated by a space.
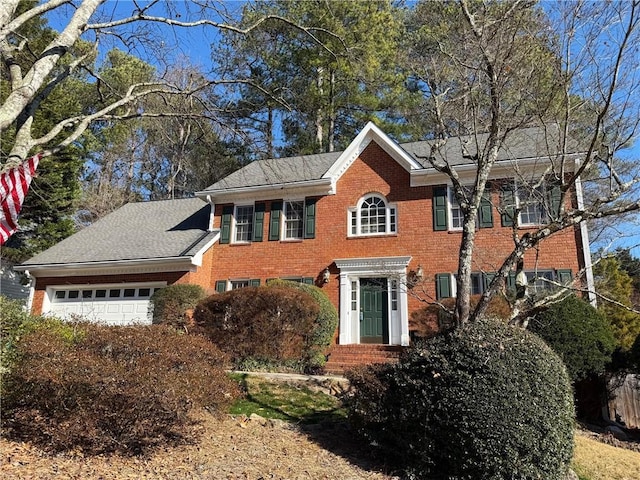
pixel 293 220
pixel 539 281
pixel 243 223
pixel 372 216
pixel 532 204
pixel 456 217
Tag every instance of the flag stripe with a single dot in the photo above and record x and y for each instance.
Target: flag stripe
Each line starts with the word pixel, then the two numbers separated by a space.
pixel 14 185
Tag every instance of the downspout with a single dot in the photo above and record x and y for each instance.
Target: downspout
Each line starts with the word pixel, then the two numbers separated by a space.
pixel 211 213
pixel 32 290
pixel 586 249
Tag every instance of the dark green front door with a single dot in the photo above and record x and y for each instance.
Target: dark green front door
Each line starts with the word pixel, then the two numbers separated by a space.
pixel 374 326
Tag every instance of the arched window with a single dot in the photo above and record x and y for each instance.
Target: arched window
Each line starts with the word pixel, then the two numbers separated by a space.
pixel 372 216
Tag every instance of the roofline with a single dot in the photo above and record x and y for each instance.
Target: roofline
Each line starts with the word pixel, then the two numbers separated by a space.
pixel 112 267
pixel 320 186
pixel 536 165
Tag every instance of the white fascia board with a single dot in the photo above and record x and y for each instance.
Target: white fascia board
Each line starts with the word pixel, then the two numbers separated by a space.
pixel 369 264
pixel 501 169
pixel 356 147
pixel 197 257
pixel 116 267
pixel 308 188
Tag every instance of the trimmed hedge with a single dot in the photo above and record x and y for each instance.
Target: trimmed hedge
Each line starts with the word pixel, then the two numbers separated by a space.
pixel 579 334
pixel 112 389
pixel 170 304
pixel 324 327
pixel 487 401
pixel 259 325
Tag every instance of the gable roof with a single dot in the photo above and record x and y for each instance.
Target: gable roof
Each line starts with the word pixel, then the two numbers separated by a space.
pixel 321 171
pixel 158 230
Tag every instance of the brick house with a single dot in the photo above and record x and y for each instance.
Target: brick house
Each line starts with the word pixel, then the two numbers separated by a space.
pixel 365 224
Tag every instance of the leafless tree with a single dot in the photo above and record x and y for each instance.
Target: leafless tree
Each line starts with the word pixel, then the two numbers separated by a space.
pixel 488 69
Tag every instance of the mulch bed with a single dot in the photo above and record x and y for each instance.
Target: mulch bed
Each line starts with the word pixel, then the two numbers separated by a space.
pixel 229 448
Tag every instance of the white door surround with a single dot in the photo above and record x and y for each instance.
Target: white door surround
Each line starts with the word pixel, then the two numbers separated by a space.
pixel 394 269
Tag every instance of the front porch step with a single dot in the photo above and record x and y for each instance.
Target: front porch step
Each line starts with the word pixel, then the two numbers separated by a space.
pixel 346 357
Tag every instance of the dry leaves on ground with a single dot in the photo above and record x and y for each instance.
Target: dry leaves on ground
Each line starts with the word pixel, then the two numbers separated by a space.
pixel 228 449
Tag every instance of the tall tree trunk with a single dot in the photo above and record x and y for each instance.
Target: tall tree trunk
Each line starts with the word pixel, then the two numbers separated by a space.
pixel 332 110
pixel 319 129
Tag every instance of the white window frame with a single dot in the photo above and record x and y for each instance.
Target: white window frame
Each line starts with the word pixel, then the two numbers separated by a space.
pixel 452 203
pixel 542 214
pixel 235 223
pixel 237 283
pixel 480 276
pixel 355 213
pixel 283 222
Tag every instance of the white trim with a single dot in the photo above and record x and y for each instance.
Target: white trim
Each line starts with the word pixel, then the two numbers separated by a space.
pixel 234 225
pixel 51 289
pixel 309 188
pixel 352 269
pixel 535 166
pixel 115 267
pixel 586 248
pixel 370 133
pixel 283 219
pixel 357 210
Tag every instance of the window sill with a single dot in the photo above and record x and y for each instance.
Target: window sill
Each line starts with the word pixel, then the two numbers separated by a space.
pixel 373 235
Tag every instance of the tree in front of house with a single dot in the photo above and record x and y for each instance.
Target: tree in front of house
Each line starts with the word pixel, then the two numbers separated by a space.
pixel 487 69
pixel 615 288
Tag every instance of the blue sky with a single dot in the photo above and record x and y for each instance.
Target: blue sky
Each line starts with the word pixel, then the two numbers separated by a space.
pixel 194 44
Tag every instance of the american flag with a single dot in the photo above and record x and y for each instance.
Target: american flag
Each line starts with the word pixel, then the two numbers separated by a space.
pixel 14 184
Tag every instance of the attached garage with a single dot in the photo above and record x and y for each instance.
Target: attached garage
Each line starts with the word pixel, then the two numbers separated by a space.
pixel 124 304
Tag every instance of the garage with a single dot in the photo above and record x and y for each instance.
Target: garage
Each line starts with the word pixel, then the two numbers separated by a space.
pixel 124 304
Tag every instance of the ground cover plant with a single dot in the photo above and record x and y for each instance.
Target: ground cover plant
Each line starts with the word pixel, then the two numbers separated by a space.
pixel 485 401
pixel 285 400
pixel 112 389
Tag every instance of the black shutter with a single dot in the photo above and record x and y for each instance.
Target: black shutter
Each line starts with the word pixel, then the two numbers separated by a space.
pixel 258 222
pixel 440 208
pixel 225 224
pixel 274 222
pixel 310 218
pixel 554 201
pixel 564 276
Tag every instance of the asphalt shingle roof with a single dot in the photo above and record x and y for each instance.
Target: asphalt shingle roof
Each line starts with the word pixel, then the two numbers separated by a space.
pixel 145 230
pixel 524 143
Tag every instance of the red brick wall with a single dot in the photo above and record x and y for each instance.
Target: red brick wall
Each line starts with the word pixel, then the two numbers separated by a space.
pixel 436 252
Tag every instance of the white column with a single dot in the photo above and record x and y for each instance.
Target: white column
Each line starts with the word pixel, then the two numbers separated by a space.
pixel 345 310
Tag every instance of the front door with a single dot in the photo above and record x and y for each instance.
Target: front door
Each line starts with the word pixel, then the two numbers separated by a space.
pixel 374 326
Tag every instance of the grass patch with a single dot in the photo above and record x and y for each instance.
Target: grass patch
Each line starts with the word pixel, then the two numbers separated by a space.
pixel 593 460
pixel 289 401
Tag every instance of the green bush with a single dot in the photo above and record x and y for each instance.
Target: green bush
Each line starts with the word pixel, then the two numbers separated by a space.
pixel 579 334
pixel 112 389
pixel 266 325
pixel 324 326
pixel 487 401
pixel 170 305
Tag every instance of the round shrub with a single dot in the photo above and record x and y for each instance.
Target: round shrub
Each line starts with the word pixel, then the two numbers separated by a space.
pixel 579 334
pixel 171 304
pixel 112 389
pixel 486 401
pixel 324 326
pixel 260 325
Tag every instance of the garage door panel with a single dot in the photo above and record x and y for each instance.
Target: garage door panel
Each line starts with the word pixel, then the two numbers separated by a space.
pixel 113 305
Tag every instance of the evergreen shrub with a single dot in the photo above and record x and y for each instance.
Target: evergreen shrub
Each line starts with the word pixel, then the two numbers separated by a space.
pixel 324 326
pixel 112 389
pixel 579 334
pixel 485 401
pixel 170 305
pixel 269 325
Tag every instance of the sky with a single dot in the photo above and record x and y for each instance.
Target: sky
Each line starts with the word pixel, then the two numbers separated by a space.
pixel 194 44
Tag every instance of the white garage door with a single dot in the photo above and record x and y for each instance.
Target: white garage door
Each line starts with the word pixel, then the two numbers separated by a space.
pixel 112 305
